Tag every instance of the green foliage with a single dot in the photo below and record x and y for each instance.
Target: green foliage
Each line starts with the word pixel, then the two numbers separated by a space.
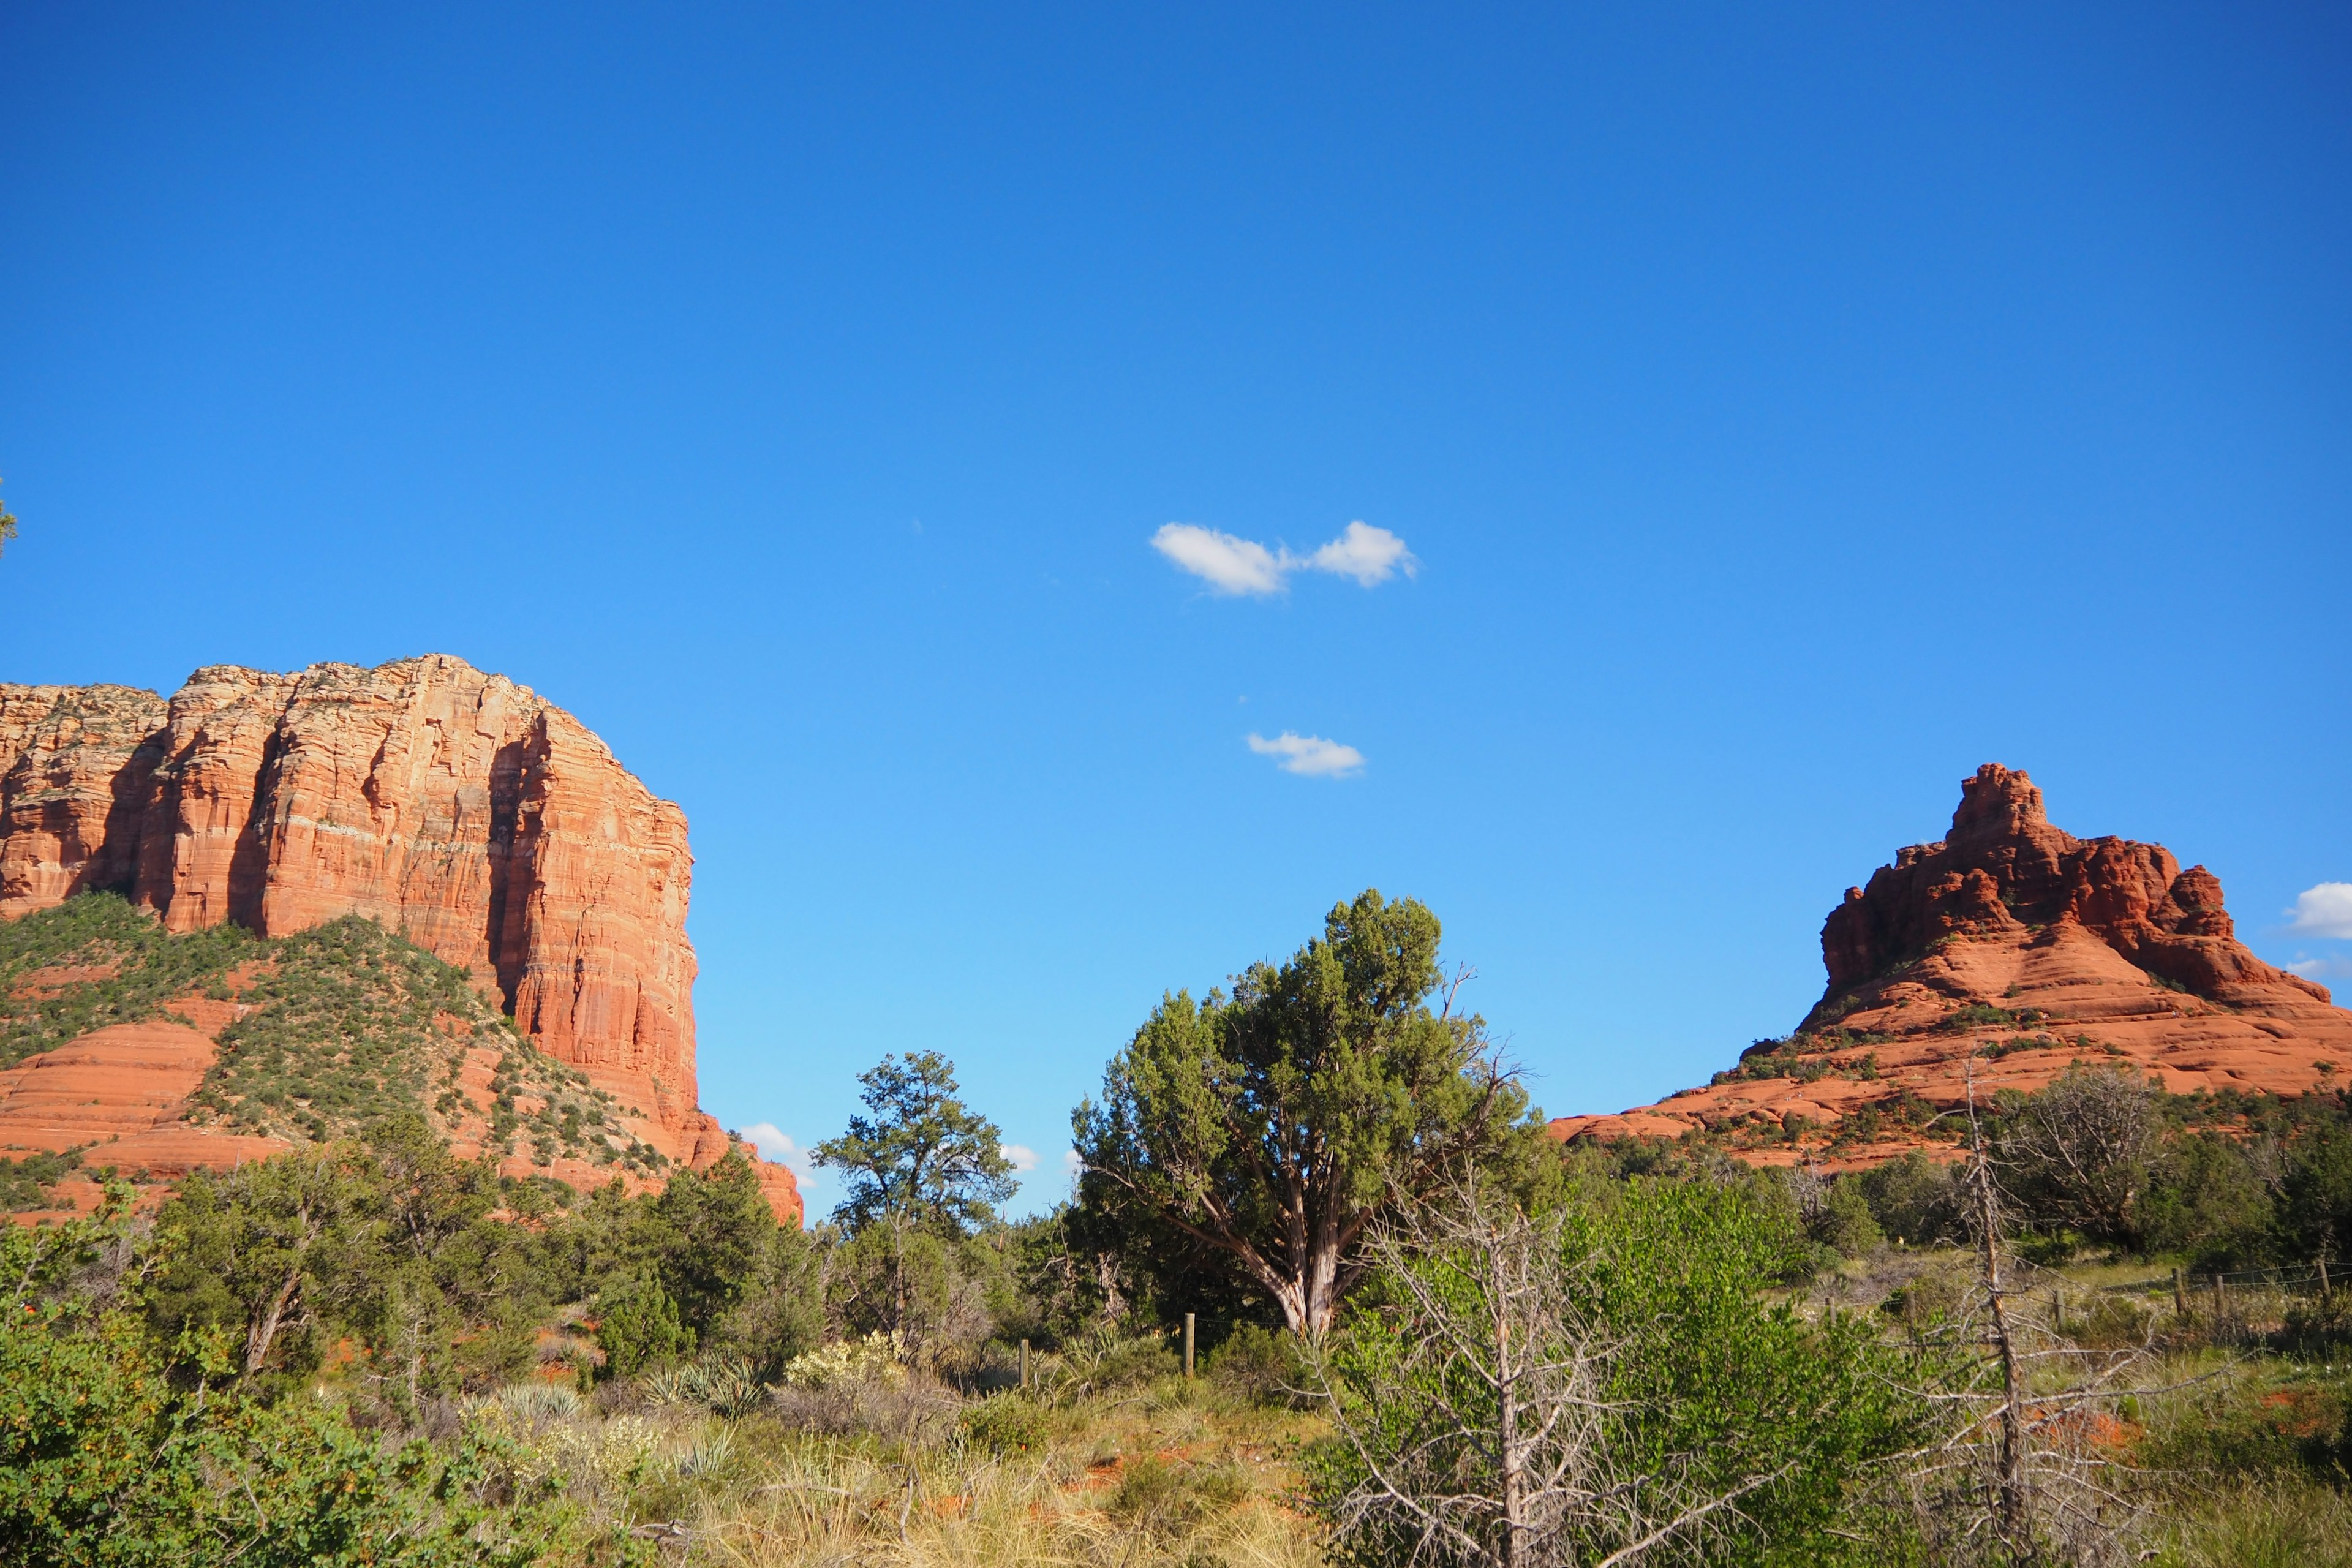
pixel 1264 1365
pixel 1704 1381
pixel 1843 1222
pixel 923 1157
pixel 1006 1423
pixel 103 1464
pixel 638 1328
pixel 1271 1128
pixel 265 1254
pixel 2207 1205
pixel 115 965
pixel 347 1025
pixel 7 525
pixel 709 1233
pixel 1913 1198
pixel 25 1182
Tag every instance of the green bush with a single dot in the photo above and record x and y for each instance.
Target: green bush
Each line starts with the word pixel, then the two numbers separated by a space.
pixel 1006 1423
pixel 1911 1197
pixel 1260 1365
pixel 1705 1382
pixel 638 1328
pixel 1844 1223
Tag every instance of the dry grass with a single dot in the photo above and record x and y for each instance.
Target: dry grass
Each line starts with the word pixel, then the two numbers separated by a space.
pixel 1171 1475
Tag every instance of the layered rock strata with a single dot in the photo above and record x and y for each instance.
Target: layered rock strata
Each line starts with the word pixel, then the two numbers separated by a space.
pixel 482 822
pixel 2007 951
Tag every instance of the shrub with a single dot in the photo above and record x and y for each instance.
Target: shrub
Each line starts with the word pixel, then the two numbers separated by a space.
pixel 1843 1221
pixel 1914 1199
pixel 1106 1364
pixel 639 1328
pixel 1005 1424
pixel 876 1359
pixel 1637 1342
pixel 1163 1497
pixel 1258 1363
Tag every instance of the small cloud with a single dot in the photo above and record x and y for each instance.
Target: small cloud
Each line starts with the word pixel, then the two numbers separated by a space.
pixel 1072 1165
pixel 1232 564
pixel 2309 968
pixel 2324 911
pixel 776 1146
pixel 1311 755
pixel 1023 1157
pixel 1228 564
pixel 1370 555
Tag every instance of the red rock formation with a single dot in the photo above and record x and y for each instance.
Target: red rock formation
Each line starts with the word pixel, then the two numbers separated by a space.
pixel 2018 948
pixel 122 1089
pixel 70 793
pixel 463 810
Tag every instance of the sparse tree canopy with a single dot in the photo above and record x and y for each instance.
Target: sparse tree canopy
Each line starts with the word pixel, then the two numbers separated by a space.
pixel 923 1158
pixel 1274 1126
pixel 2083 1152
pixel 7 525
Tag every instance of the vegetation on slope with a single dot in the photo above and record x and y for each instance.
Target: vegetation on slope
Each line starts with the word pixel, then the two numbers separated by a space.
pixel 340 1026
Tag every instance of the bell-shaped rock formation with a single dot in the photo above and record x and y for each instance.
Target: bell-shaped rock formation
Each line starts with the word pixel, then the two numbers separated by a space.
pixel 2010 950
pixel 462 810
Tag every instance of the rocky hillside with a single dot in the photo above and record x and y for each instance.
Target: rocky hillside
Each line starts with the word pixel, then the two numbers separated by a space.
pixel 2013 948
pixel 462 811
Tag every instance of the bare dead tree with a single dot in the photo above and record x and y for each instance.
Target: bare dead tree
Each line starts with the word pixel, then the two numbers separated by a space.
pixel 1487 1438
pixel 2027 1467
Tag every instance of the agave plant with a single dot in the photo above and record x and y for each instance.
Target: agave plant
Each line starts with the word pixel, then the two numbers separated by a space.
pixel 728 1387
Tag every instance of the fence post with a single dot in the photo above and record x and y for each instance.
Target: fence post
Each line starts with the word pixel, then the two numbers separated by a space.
pixel 2179 1294
pixel 2058 1310
pixel 2324 1289
pixel 1024 1364
pixel 2218 1300
pixel 1188 1346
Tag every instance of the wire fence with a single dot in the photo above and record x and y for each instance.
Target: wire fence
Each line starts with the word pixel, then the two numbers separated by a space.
pixel 2315 1278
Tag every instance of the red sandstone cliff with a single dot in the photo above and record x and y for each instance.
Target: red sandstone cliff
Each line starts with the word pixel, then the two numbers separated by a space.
pixel 2015 946
pixel 465 811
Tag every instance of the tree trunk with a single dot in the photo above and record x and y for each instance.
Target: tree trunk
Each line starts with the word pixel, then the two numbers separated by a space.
pixel 263 1327
pixel 2016 1525
pixel 1507 1422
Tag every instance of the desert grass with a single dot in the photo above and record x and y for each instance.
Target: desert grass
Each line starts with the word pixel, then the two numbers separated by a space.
pixel 1174 1474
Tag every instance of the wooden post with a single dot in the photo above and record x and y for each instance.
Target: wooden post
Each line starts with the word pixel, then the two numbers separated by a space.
pixel 2323 1277
pixel 2179 1294
pixel 1025 1363
pixel 2058 1310
pixel 1188 1346
pixel 2218 1300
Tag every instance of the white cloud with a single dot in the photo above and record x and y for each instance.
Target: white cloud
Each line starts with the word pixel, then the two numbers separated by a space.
pixel 1231 564
pixel 2324 911
pixel 1309 754
pixel 1368 554
pixel 1073 1166
pixel 1023 1157
pixel 776 1146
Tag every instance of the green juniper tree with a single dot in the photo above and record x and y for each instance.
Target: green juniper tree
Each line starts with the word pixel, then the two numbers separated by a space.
pixel 924 1164
pixel 1273 1127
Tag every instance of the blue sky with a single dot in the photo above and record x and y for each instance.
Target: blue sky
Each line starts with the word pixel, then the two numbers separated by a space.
pixel 1782 415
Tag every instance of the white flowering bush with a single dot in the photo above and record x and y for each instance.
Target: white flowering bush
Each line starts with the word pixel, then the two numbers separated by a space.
pixel 878 1358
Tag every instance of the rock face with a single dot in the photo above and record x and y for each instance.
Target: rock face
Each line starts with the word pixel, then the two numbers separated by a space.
pixel 2017 948
pixel 458 808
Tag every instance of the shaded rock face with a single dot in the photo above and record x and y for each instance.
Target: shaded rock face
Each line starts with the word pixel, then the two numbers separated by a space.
pixel 2010 950
pixel 458 808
